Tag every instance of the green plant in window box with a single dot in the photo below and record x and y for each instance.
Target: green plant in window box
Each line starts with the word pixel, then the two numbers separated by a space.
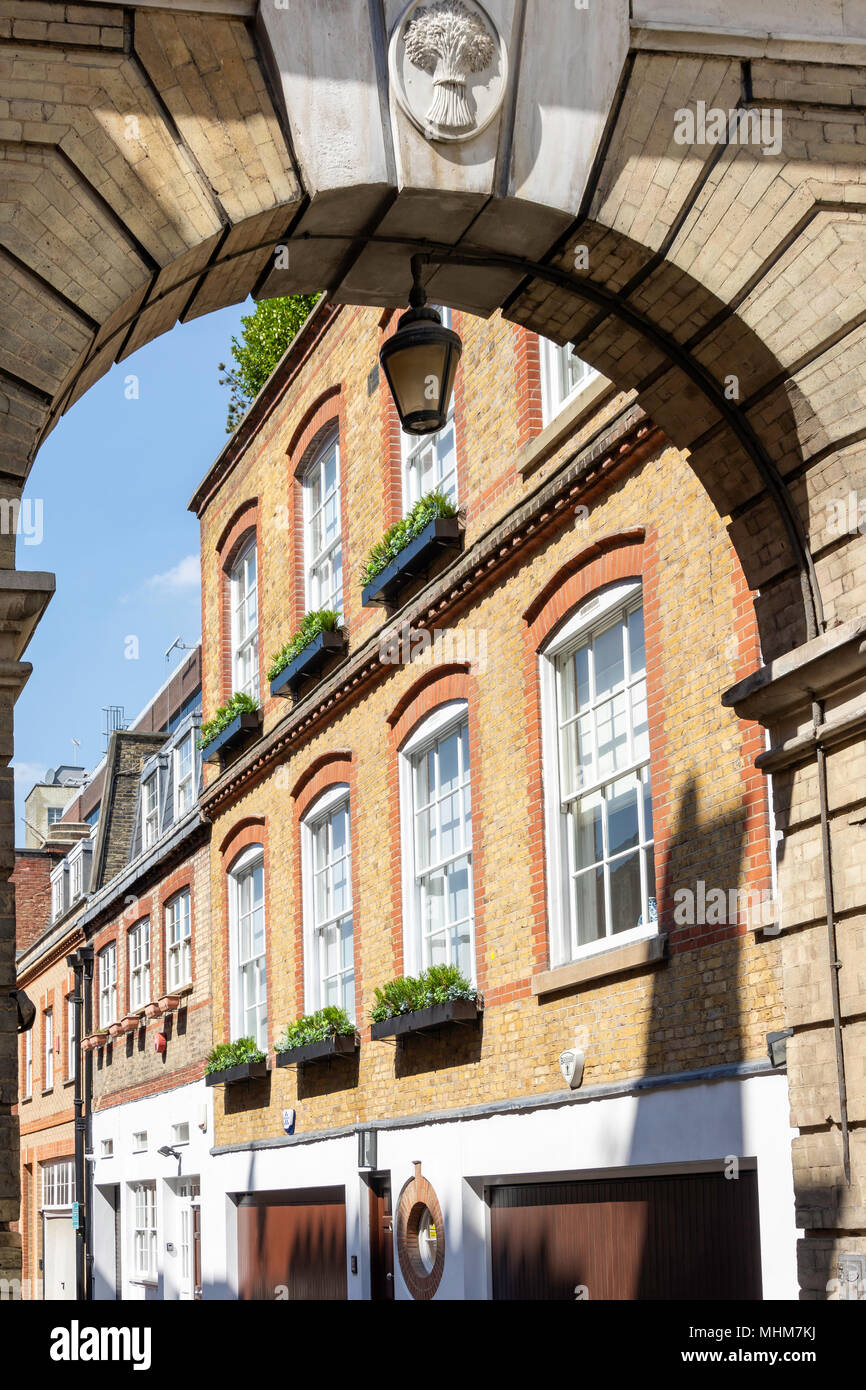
pixel 238 704
pixel 313 1028
pixel 430 507
pixel 324 620
pixel 233 1054
pixel 439 984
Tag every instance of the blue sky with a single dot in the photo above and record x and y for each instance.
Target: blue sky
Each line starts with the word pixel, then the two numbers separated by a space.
pixel 114 480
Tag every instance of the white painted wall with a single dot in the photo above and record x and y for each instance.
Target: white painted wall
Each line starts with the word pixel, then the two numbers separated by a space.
pixel 155 1114
pixel 663 1129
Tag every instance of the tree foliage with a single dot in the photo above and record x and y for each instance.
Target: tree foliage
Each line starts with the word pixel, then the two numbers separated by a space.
pixel 265 335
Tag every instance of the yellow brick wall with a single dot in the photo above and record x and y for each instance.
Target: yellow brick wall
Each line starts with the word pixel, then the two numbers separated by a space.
pixel 705 1006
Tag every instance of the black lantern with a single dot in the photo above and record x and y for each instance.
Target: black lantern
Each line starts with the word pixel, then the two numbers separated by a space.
pixel 420 362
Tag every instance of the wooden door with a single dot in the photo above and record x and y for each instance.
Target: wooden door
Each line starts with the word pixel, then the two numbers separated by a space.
pixel 292 1245
pixel 381 1240
pixel 692 1236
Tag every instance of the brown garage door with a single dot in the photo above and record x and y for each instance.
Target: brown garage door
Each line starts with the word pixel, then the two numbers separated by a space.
pixel 292 1244
pixel 682 1237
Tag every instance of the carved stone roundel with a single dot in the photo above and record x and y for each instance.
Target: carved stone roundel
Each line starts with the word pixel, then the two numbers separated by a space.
pixel 449 68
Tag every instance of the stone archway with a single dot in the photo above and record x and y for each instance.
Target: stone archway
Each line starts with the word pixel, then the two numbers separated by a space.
pixel 161 161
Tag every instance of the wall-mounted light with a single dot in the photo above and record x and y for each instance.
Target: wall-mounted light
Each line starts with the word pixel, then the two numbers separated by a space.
pixel 168 1152
pixel 367 1149
pixel 420 363
pixel 777 1046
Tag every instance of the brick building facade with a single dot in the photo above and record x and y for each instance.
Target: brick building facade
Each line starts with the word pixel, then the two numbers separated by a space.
pixel 582 527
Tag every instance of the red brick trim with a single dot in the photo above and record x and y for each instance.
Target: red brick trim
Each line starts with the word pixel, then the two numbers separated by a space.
pixel 391 439
pixel 325 415
pixel 434 677
pixel 331 770
pixel 317 415
pixel 527 370
pixel 559 596
pixel 244 833
pixel 610 560
pixel 326 771
pixel 433 689
pixel 179 882
pixel 243 519
pixel 244 526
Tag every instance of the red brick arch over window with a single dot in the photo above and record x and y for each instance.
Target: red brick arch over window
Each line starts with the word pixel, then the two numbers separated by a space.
pixel 243 527
pixel 251 830
pixel 330 770
pixel 324 417
pixel 436 687
pixel 611 560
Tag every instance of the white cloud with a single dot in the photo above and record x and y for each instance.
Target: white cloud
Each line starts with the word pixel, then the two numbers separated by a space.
pixel 184 575
pixel 29 772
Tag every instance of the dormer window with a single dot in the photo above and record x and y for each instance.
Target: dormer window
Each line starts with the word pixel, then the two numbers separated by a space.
pixel 59 890
pixel 79 860
pixel 150 811
pixel 184 776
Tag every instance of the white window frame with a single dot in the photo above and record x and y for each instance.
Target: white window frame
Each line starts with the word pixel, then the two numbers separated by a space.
pixel 414 447
pixel 184 786
pixel 70 1037
pixel 244 594
pixel 58 1184
pixel 591 615
pixel 188 1194
pixel 107 961
pixel 180 1133
pixel 336 798
pixel 28 1064
pixel 437 725
pixel 55 813
pixel 138 956
pixel 139 1141
pixel 555 394
pixel 150 810
pixel 178 943
pixel 242 969
pixel 59 890
pixel 143 1232
pixel 48 1049
pixel 316 596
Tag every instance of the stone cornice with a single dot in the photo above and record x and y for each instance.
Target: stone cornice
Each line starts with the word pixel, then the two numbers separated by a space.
pixel 621 447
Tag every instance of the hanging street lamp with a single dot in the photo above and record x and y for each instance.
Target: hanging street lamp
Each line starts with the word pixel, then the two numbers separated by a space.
pixel 420 363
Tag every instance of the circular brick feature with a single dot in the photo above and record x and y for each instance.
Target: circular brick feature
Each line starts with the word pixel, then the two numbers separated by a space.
pixel 420 1237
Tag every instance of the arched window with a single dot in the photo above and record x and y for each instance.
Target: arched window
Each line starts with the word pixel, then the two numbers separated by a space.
pixel 178 941
pixel 243 581
pixel 327 884
pixel 249 1007
pixel 430 460
pixel 436 816
pixel 323 546
pixel 597 776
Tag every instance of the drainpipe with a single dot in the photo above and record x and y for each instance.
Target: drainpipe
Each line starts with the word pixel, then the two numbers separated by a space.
pixel 835 963
pixel 86 953
pixel 82 966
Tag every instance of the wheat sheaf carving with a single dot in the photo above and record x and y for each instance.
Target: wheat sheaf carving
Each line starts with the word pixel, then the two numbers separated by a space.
pixel 449 42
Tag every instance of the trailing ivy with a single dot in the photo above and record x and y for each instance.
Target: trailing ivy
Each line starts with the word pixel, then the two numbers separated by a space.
pixel 440 984
pixel 234 1054
pixel 324 620
pixel 430 507
pixel 313 1028
pixel 238 704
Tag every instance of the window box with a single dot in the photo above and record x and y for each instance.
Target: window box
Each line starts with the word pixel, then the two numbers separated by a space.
pixel 414 561
pixel 115 1030
pixel 242 727
pixel 152 1010
pixel 420 1020
pixel 130 1023
pixel 247 1071
pixel 309 662
pixel 168 1003
pixel 338 1045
